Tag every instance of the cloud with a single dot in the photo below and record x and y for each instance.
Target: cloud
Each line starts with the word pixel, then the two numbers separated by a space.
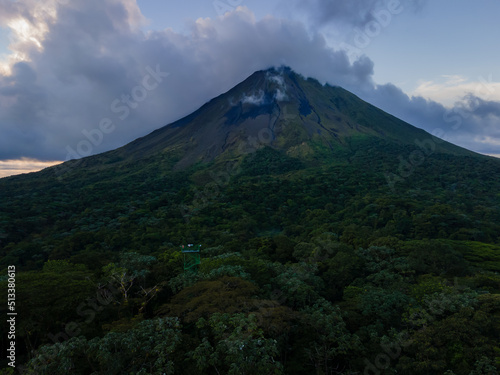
pixel 353 25
pixel 254 99
pixel 95 80
pixel 280 93
pixel 351 13
pixel 276 78
pixel 92 68
pixel 472 122
pixel 13 167
pixel 450 89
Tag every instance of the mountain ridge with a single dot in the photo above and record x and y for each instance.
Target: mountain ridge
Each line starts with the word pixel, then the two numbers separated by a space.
pixel 277 108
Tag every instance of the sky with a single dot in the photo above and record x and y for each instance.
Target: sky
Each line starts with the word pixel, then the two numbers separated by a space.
pixel 81 77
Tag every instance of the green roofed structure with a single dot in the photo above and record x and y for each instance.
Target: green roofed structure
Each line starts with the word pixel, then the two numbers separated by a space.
pixel 191 257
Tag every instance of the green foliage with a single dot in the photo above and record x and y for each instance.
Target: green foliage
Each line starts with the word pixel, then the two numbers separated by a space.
pixel 427 285
pixel 146 349
pixel 435 306
pixel 48 300
pixel 298 284
pixel 384 267
pixel 133 267
pixel 436 256
pixel 235 345
pixel 484 366
pixel 486 256
pixel 329 337
pixel 268 161
pixel 456 342
pixel 227 295
pixel 209 265
pixel 383 306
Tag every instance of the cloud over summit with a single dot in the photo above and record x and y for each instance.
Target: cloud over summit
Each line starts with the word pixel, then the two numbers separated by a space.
pixel 95 54
pixel 86 59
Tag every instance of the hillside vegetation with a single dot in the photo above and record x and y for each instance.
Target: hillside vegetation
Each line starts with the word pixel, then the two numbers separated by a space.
pixel 304 269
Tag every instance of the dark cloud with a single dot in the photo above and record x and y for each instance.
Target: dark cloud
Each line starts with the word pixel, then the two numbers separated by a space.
pixel 9 9
pixel 482 108
pixel 352 13
pixel 94 65
pixel 473 122
pixel 98 70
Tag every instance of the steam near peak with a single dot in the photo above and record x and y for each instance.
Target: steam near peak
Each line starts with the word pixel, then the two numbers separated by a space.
pixel 278 79
pixel 255 99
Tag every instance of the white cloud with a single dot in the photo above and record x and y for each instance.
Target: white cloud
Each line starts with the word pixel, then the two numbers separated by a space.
pixel 94 54
pixel 255 99
pixel 277 79
pixel 280 95
pixel 452 88
pixel 25 165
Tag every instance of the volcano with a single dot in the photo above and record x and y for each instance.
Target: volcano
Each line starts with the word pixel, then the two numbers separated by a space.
pixel 280 109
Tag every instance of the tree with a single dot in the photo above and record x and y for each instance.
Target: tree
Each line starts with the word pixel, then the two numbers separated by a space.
pixel 225 295
pixel 132 267
pixel 329 339
pixel 146 349
pixel 50 301
pixel 234 345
